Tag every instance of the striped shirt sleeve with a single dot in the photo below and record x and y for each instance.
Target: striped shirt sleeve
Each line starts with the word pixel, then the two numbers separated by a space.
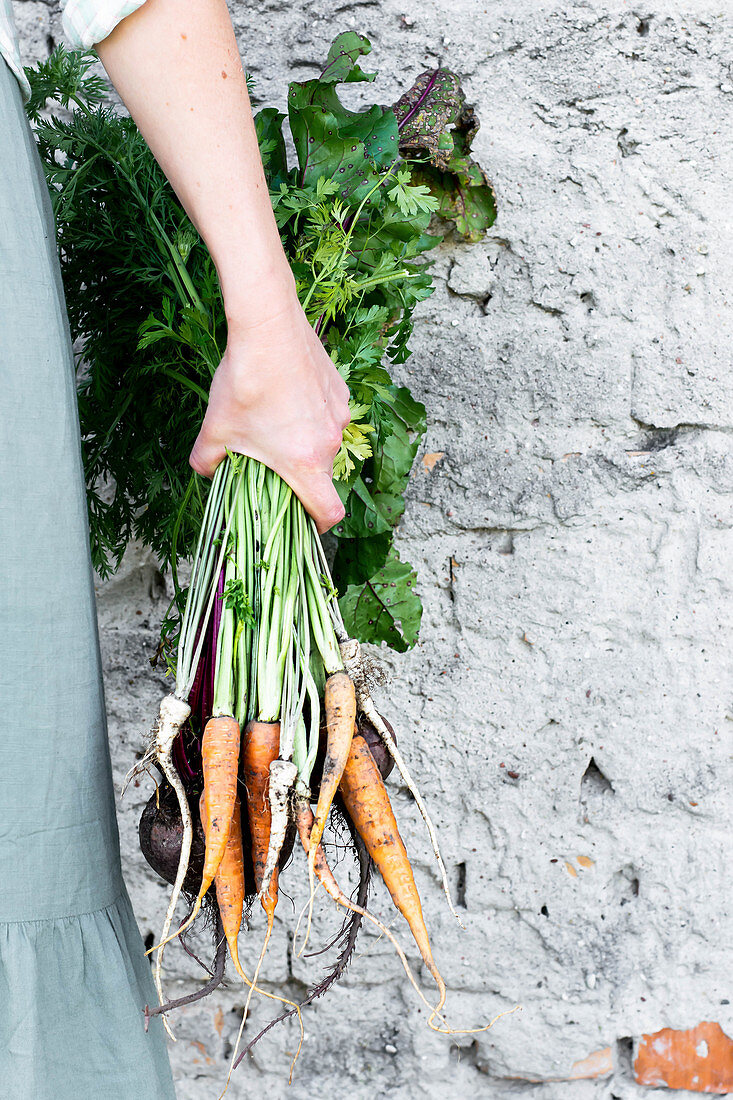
pixel 87 22
pixel 9 48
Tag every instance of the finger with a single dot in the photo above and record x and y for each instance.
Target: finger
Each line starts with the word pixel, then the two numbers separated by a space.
pixel 320 499
pixel 205 455
pixel 341 414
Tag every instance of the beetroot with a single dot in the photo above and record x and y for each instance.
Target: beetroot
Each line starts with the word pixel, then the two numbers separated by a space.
pixel 161 831
pixel 381 755
pixel 377 747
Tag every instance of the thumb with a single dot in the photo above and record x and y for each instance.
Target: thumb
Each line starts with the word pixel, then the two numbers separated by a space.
pixel 320 499
pixel 206 454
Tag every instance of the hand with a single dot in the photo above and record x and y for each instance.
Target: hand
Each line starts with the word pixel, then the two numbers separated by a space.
pixel 277 397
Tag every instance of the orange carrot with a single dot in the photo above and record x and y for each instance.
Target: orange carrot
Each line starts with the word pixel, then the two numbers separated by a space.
pixel 340 706
pixel 230 892
pixel 229 881
pixel 304 820
pixel 260 750
pixel 220 761
pixel 367 802
pixel 260 747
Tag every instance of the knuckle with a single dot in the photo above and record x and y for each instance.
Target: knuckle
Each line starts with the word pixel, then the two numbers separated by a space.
pixel 306 460
pixel 316 454
pixel 308 457
pixel 333 438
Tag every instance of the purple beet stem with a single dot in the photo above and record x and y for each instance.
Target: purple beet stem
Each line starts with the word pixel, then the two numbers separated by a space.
pixel 180 759
pixel 201 697
pixel 419 102
pixel 207 700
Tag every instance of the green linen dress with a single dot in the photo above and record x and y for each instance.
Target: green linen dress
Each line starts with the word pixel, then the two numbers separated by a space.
pixel 73 977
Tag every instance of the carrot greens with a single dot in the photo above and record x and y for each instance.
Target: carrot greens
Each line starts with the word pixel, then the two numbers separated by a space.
pixel 356 210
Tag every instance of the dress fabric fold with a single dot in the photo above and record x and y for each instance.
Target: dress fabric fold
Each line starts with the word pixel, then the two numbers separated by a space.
pixel 74 980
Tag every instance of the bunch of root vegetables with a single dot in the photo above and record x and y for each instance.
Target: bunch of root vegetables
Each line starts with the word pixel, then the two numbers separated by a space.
pixel 270 728
pixel 270 721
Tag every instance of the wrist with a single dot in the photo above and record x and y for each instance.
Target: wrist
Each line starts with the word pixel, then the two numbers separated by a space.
pixel 251 305
pixel 250 298
pixel 255 273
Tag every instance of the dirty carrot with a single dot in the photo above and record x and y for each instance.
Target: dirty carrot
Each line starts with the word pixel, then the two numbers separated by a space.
pixel 229 880
pixel 259 745
pixel 304 821
pixel 351 656
pixel 220 762
pixel 340 706
pixel 367 803
pixel 260 748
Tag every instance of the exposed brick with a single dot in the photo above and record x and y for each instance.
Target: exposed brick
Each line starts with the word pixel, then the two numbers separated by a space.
pixel 594 1066
pixel 700 1059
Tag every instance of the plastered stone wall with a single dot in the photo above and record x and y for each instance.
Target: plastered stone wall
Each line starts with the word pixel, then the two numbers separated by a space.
pixel 568 710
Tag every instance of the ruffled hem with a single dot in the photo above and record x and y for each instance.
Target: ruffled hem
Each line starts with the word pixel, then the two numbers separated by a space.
pixel 72 995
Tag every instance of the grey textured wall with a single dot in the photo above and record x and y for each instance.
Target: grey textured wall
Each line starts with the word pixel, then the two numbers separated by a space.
pixel 569 706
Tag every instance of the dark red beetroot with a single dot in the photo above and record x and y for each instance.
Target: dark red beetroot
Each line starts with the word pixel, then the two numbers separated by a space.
pixel 377 748
pixel 381 755
pixel 161 833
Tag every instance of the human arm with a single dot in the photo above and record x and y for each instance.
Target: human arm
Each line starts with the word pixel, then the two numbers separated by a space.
pixel 276 395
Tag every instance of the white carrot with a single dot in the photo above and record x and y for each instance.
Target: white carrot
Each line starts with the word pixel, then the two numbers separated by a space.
pixel 173 713
pixel 282 776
